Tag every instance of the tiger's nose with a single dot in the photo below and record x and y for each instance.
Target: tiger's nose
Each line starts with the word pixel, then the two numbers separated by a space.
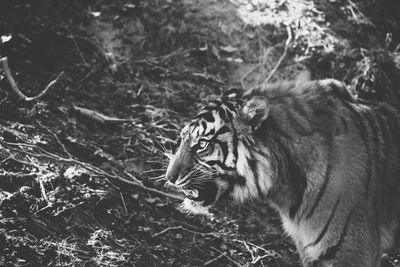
pixel 172 175
pixel 172 178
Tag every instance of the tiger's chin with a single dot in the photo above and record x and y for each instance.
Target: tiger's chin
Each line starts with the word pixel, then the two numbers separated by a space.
pixel 201 199
pixel 195 207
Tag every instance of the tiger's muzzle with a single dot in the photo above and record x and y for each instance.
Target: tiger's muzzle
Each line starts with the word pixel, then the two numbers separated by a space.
pixel 179 175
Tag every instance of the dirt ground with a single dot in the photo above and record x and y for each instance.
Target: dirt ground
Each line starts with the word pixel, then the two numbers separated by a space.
pixel 82 168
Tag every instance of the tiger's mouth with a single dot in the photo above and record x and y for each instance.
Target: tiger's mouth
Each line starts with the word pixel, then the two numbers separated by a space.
pixel 206 193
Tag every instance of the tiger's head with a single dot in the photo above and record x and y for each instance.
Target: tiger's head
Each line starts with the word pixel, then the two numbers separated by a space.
pixel 206 164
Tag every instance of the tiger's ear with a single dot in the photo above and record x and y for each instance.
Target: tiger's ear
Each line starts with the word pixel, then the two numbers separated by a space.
pixel 254 111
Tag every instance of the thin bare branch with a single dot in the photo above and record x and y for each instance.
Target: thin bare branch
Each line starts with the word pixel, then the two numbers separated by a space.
pixel 14 85
pixel 215 259
pixel 288 40
pixel 97 116
pixel 166 230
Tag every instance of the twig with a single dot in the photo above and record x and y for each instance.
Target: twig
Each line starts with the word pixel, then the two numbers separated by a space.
pixel 187 230
pixel 288 40
pixel 200 233
pixel 258 65
pixel 43 190
pixel 166 230
pixel 99 117
pixel 79 50
pixel 86 76
pixel 215 259
pixel 123 202
pixel 174 53
pixel 254 251
pixel 133 178
pixel 9 157
pixel 4 99
pixel 14 86
pixel 239 264
pixel 57 139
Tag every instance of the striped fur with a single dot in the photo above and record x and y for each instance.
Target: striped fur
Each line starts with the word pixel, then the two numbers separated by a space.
pixel 327 163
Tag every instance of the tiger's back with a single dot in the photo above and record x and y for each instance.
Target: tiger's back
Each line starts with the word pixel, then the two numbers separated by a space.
pixel 349 154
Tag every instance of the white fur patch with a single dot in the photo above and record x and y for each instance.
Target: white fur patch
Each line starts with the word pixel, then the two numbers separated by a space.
pixel 194 207
pixel 242 193
pixel 302 234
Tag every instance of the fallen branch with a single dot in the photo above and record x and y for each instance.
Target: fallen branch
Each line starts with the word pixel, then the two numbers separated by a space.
pixel 166 230
pixel 99 117
pixel 261 64
pixel 288 40
pixel 14 86
pixel 43 190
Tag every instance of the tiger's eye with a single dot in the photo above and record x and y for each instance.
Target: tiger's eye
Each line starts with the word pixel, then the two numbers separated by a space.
pixel 202 144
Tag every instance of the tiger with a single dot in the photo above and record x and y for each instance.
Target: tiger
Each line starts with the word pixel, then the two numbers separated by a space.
pixel 326 162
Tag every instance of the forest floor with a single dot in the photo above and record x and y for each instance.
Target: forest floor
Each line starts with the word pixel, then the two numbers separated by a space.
pixel 82 168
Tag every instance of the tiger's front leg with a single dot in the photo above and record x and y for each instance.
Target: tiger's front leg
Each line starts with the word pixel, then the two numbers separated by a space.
pixel 348 241
pixel 360 247
pixel 303 256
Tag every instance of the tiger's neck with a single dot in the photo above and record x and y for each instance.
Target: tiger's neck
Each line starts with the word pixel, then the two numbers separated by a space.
pixel 271 174
pixel 255 166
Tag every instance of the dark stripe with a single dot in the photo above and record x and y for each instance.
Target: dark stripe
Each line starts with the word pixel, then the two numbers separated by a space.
pixel 193 125
pixel 299 122
pixel 331 251
pixel 396 235
pixel 357 119
pixel 235 144
pixel 208 117
pixel 390 70
pixel 232 181
pixel 300 107
pixel 294 175
pixel 220 164
pixel 208 108
pixel 204 125
pixel 385 139
pixel 222 130
pixel 211 132
pixel 344 124
pixel 382 170
pixel 230 106
pixel 229 114
pixel 294 209
pixel 393 123
pixel 375 145
pixel 321 191
pixel 270 126
pixel 224 148
pixel 254 170
pixel 363 132
pixel 222 114
pixel 326 226
pixel 240 180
